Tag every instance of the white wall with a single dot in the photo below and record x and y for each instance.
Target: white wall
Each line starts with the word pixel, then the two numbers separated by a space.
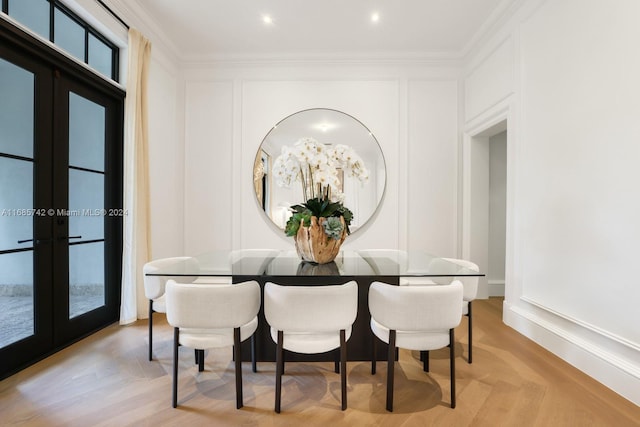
pixel 572 225
pixel 230 108
pixel 166 157
pixel 209 178
pixel 431 167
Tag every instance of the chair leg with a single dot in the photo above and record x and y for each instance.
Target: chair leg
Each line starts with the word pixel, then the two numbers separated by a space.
pixel 150 328
pixel 279 369
pixel 196 354
pixel 336 362
pixel 254 366
pixel 424 355
pixel 237 355
pixel 470 329
pixel 176 339
pixel 200 360
pixel 343 368
pixel 452 361
pixel 391 358
pixel 374 354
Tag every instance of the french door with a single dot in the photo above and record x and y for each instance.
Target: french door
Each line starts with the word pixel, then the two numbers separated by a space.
pixel 60 205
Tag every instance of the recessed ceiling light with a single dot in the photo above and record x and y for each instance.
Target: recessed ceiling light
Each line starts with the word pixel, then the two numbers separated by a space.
pixel 324 126
pixel 375 17
pixel 267 19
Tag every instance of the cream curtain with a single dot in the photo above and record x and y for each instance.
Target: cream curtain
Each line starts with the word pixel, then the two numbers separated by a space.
pixel 136 245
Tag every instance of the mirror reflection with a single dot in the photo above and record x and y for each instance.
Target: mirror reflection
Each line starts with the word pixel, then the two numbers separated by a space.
pixel 333 129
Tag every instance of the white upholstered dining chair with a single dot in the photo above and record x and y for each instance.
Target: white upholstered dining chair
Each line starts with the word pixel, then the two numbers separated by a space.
pixel 375 258
pixel 309 320
pixel 256 260
pixel 154 288
pixel 208 316
pixel 416 318
pixel 470 285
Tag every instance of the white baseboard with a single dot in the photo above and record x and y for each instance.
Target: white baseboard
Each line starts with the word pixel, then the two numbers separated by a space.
pixel 597 361
pixel 496 288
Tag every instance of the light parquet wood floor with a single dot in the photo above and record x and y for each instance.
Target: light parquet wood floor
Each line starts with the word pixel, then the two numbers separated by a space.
pixel 106 380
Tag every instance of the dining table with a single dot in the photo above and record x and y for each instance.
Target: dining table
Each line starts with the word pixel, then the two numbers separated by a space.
pixel 286 268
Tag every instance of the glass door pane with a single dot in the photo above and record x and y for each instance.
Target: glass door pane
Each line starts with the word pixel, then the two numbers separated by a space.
pixel 16 110
pixel 16 203
pixel 86 278
pixel 16 297
pixel 87 123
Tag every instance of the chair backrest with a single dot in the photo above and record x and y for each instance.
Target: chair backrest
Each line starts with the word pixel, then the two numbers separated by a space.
pixel 204 306
pixel 416 308
pixel 154 286
pixel 311 308
pixel 469 283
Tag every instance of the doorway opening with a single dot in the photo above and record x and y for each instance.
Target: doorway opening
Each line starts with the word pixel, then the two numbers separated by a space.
pixel 485 225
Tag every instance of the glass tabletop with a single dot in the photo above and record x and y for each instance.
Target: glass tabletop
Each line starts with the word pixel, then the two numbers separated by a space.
pixel 274 263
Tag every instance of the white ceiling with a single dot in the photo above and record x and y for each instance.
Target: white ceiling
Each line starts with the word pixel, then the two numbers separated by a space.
pixel 200 29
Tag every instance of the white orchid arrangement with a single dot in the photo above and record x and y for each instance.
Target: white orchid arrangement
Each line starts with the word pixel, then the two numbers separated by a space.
pixel 316 166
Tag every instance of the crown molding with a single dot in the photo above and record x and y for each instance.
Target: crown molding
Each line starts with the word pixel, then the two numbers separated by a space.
pixel 139 19
pixel 445 59
pixel 496 22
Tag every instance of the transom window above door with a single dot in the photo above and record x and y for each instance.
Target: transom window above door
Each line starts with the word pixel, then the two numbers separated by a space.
pixel 55 22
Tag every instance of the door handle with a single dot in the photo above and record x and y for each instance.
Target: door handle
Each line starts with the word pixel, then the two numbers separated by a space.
pixel 48 240
pixel 38 241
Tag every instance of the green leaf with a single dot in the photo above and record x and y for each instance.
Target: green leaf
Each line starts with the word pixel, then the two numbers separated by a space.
pixel 347 215
pixel 297 219
pixel 299 208
pixel 320 208
pixel 291 229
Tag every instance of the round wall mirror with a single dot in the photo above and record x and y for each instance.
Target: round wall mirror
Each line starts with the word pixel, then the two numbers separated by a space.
pixel 334 130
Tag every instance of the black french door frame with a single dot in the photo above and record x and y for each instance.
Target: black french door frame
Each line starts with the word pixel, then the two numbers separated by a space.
pixel 55 77
pixel 69 329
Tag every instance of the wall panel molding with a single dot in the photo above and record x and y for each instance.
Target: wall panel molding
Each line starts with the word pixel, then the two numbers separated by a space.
pixel 609 336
